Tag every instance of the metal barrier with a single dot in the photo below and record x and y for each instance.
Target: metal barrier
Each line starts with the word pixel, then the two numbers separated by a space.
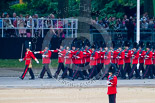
pixel 31 26
pixel 121 34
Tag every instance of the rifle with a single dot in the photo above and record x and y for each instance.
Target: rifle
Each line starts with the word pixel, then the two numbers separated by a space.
pixel 22 51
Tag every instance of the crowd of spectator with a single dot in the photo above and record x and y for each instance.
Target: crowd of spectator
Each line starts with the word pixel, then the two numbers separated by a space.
pixel 22 26
pixel 118 23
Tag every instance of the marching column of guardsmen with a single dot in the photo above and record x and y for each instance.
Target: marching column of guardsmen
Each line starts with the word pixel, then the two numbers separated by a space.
pixel 85 61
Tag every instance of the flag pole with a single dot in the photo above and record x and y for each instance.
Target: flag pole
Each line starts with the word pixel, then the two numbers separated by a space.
pixel 138 22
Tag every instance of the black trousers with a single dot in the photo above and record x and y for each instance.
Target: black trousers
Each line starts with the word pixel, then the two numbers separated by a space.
pixel 78 72
pixel 120 70
pixel 127 69
pixel 60 67
pixel 134 68
pixel 99 67
pixel 93 71
pixel 153 66
pixel 30 72
pixel 141 68
pixel 148 71
pixel 64 74
pixel 112 98
pixel 84 70
pixel 87 67
pixel 46 69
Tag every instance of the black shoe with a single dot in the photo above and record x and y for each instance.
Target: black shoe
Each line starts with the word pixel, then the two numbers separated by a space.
pixel 40 77
pixel 81 79
pixel 31 78
pixel 49 77
pixel 21 78
pixel 72 79
pixel 102 78
pixel 55 76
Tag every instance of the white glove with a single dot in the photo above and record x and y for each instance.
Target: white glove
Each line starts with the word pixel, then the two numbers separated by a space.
pixel 37 62
pixel 52 50
pixel 109 83
pixel 20 60
pixel 44 56
pixel 36 52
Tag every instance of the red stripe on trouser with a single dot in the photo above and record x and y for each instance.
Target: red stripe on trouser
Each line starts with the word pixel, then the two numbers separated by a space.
pixel 125 68
pixel 106 71
pixel 146 71
pixel 133 70
pixel 58 69
pixel 92 72
pixel 75 73
pixel 120 67
pixel 65 71
pixel 25 71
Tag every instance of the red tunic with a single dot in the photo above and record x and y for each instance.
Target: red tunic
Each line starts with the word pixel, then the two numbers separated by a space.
pixel 46 60
pixel 148 59
pixel 121 58
pixel 28 57
pixel 102 57
pixel 78 57
pixel 113 59
pixel 99 57
pixel 93 58
pixel 72 52
pixel 86 55
pixel 127 56
pixel 154 57
pixel 61 54
pixel 141 56
pixel 135 57
pixel 107 58
pixel 112 88
pixel 68 58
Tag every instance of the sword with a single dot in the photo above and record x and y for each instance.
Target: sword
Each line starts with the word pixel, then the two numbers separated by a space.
pixel 22 51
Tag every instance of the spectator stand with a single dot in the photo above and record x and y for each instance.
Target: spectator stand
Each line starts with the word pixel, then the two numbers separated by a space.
pixel 32 27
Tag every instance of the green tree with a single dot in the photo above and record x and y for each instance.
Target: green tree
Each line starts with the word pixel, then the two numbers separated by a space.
pixel 148 7
pixel 63 8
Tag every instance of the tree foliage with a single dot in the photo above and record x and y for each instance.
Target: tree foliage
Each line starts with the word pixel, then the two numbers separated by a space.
pixel 99 8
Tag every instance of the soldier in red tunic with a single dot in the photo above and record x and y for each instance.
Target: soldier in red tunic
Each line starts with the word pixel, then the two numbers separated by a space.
pixel 78 72
pixel 68 62
pixel 128 55
pixel 99 61
pixel 86 56
pixel 153 60
pixel 28 61
pixel 61 53
pixel 107 58
pixel 46 55
pixel 112 86
pixel 114 54
pixel 120 58
pixel 148 62
pixel 141 57
pixel 93 62
pixel 135 57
